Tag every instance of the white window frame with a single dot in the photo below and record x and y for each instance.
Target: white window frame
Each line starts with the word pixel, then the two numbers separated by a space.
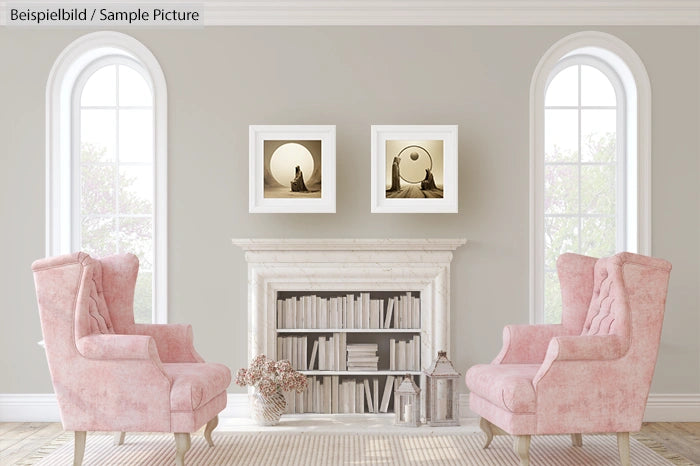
pixel 635 139
pixel 61 142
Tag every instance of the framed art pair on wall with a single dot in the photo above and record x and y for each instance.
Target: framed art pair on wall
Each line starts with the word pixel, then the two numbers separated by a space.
pixel 292 168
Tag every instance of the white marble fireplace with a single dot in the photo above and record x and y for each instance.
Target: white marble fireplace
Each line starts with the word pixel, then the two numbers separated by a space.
pixel 276 265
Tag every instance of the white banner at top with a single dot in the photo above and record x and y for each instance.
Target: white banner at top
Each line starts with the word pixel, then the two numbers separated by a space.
pixel 102 14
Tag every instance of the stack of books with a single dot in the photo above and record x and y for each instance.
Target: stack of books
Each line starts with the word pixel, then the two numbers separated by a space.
pixel 362 356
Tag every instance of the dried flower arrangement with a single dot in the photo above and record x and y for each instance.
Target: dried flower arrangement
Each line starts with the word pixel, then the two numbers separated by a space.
pixel 270 376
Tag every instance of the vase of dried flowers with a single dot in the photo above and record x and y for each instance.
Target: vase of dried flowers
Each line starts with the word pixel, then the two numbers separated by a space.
pixel 267 410
pixel 270 379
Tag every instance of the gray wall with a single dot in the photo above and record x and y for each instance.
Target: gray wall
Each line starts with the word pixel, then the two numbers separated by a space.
pixel 220 80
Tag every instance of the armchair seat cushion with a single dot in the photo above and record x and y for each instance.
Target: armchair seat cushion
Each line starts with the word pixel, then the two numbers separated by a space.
pixel 195 384
pixel 508 386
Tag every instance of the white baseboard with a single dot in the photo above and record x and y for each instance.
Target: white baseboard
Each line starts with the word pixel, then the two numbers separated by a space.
pixel 673 407
pixel 237 405
pixel 34 407
pixel 682 407
pixel 43 407
pixel 464 411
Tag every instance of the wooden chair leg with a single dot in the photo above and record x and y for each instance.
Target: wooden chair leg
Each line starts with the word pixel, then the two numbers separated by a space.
pixel 79 447
pixel 576 440
pixel 182 443
pixel 623 446
pixel 211 425
pixel 487 428
pixel 521 445
pixel 119 438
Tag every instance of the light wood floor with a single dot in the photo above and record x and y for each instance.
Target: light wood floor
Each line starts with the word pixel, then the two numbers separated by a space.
pixel 682 438
pixel 20 440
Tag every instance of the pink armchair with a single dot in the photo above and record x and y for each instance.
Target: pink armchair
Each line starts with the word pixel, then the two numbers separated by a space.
pixel 592 372
pixel 111 374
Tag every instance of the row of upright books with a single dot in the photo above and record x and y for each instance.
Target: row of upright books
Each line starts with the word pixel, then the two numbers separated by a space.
pixel 334 353
pixel 294 349
pixel 333 394
pixel 404 355
pixel 327 353
pixel 348 311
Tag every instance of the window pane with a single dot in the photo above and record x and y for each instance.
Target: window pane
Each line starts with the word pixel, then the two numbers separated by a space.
pixel 560 236
pixel 552 298
pixel 136 136
pixel 98 236
pixel 598 189
pixel 561 189
pixel 133 89
pixel 598 236
pixel 143 297
pixel 136 237
pixel 101 88
pixel 598 135
pixel 135 189
pixel 560 135
pixel 596 88
pixel 98 128
pixel 563 88
pixel 97 184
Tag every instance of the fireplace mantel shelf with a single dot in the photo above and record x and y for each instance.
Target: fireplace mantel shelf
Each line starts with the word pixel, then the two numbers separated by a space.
pixel 342 244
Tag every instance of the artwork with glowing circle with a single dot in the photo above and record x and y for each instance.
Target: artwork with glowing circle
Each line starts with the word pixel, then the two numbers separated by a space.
pixel 414 169
pixel 292 169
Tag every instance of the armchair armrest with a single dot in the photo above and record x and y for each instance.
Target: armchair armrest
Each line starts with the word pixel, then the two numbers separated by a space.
pixel 585 348
pixel 175 342
pixel 573 356
pixel 526 344
pixel 121 378
pixel 118 347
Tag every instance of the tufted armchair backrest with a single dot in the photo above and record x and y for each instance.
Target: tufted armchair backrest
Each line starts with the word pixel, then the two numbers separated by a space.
pixel 608 311
pixel 92 315
pixel 71 299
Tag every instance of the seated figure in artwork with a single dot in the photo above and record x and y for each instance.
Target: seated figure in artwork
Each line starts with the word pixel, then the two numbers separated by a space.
pixel 395 175
pixel 428 182
pixel 297 183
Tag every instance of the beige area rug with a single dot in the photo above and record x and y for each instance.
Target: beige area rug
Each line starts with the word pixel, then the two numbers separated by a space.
pixel 307 449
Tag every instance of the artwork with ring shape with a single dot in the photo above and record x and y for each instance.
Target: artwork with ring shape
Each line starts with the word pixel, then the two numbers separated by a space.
pixel 422 159
pixel 292 168
pixel 414 168
pixel 411 170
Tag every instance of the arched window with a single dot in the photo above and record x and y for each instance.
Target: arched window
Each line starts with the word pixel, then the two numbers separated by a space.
pixel 590 104
pixel 106 159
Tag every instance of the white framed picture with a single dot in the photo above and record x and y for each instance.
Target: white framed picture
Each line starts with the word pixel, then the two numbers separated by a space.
pixel 414 168
pixel 292 168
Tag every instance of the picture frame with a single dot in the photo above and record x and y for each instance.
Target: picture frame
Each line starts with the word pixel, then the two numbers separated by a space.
pixel 292 169
pixel 414 168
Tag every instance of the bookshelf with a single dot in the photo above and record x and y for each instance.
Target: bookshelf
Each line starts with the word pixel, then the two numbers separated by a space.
pixel 285 267
pixel 353 346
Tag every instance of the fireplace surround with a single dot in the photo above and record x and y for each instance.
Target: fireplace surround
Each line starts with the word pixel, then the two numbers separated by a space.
pixel 349 265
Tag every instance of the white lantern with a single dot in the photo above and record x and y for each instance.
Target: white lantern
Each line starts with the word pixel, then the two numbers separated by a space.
pixel 407 403
pixel 441 398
